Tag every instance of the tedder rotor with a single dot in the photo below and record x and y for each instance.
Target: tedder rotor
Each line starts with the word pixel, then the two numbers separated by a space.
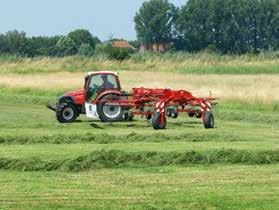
pixel 103 98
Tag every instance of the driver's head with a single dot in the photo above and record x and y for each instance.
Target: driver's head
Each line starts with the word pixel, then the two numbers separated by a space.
pixel 104 77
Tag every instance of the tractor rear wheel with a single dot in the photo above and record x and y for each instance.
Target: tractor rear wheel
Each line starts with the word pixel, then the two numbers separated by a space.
pixel 108 110
pixel 208 120
pixel 66 113
pixel 157 121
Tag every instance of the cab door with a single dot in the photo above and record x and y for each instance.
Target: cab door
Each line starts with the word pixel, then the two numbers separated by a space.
pixel 97 84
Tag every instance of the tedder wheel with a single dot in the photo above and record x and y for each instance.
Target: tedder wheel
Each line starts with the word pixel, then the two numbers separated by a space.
pixel 131 116
pixel 208 120
pixel 109 111
pixel 128 116
pixel 191 114
pixel 198 113
pixel 148 116
pixel 169 112
pixel 66 113
pixel 174 114
pixel 157 123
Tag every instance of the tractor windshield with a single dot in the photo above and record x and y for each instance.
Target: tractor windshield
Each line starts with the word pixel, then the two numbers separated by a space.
pixel 100 83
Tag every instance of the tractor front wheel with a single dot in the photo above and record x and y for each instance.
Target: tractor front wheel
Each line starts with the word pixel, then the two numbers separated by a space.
pixel 66 113
pixel 157 121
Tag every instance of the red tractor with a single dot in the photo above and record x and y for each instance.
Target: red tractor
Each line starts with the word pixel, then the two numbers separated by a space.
pixel 103 98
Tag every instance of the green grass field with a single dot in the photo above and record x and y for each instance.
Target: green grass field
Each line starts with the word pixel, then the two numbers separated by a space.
pixel 128 165
pixel 172 187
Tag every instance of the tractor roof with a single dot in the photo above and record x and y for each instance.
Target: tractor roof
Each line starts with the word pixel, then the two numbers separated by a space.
pixel 103 72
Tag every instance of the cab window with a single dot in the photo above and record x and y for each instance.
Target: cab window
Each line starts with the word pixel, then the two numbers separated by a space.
pixel 100 83
pixel 112 81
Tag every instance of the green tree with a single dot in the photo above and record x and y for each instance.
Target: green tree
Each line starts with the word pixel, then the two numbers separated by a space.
pixel 116 53
pixel 85 50
pixel 65 47
pixel 192 25
pixel 42 46
pixel 96 40
pixel 17 42
pixel 82 36
pixel 154 22
pixel 274 32
pixel 231 26
pixel 268 24
pixel 112 52
pixel 4 46
pixel 135 43
pixel 227 30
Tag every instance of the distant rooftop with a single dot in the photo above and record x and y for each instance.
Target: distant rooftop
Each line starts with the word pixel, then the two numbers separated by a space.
pixel 122 44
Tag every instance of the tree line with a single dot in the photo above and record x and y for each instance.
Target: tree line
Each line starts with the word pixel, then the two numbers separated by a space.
pixel 80 42
pixel 225 26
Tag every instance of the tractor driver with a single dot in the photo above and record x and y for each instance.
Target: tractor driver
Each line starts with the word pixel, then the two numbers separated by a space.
pixel 107 85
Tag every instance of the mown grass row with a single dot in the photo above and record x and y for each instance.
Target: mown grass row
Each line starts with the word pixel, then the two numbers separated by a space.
pixel 110 138
pixel 199 63
pixel 117 158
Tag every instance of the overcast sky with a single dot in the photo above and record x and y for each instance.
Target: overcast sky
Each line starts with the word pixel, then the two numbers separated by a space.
pixel 104 18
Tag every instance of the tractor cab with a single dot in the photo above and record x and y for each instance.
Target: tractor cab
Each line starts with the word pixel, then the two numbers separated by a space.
pixel 97 83
pixel 100 87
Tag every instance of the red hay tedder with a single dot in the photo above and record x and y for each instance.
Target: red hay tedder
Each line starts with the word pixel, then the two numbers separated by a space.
pixel 103 98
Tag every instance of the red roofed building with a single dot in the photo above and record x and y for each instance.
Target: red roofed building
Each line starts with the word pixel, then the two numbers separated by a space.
pixel 123 44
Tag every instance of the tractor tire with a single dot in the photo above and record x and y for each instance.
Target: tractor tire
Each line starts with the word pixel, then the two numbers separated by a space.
pixel 157 123
pixel 191 114
pixel 208 120
pixel 198 113
pixel 131 117
pixel 148 116
pixel 128 116
pixel 174 114
pixel 66 113
pixel 110 113
pixel 169 112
